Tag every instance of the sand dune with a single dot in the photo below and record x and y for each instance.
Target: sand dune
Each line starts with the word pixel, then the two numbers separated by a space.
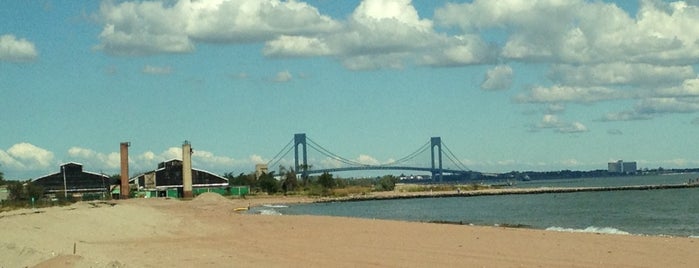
pixel 206 232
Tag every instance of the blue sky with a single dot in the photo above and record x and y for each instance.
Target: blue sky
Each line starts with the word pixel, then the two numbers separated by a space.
pixel 508 85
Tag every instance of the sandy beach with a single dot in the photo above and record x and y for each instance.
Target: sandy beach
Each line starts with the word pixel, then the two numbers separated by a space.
pixel 206 232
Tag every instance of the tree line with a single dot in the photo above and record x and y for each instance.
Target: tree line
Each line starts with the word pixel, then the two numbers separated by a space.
pixel 288 181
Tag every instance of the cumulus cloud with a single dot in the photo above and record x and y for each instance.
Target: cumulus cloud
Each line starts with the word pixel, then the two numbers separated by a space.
pixel 620 73
pixel 580 31
pixel 498 78
pixel 95 160
pixel 550 121
pixel 595 50
pixel 143 28
pixel 148 160
pixel 26 156
pixel 16 50
pixel 561 93
pixel 367 160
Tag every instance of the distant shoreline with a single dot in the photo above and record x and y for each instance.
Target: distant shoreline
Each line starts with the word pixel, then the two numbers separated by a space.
pixel 504 191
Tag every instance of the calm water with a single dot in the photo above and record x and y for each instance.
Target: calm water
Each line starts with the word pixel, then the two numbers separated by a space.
pixel 657 212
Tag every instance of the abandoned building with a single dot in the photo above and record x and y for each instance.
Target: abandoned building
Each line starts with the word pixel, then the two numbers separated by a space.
pixel 74 181
pixel 166 181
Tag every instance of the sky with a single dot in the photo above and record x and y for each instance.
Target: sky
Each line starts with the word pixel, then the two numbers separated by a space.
pixel 507 84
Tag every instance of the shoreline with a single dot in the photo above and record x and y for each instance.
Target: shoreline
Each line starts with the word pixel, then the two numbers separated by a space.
pixel 501 191
pixel 395 195
pixel 206 232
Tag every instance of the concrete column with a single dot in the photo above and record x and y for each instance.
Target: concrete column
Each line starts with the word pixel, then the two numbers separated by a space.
pixel 187 170
pixel 124 190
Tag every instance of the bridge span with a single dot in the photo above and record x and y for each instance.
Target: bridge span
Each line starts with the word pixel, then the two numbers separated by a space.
pixel 438 150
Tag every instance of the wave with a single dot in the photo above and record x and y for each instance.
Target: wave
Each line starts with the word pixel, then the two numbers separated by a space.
pixel 590 229
pixel 275 206
pixel 269 212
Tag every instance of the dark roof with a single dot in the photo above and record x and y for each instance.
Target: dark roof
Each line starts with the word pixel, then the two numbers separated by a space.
pixel 71 175
pixel 169 174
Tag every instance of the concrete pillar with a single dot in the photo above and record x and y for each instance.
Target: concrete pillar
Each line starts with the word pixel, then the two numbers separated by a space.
pixel 187 170
pixel 124 188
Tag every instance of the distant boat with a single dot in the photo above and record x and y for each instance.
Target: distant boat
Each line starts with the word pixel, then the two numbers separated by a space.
pixel 526 178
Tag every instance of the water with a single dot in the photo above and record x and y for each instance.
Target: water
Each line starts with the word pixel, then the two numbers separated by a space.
pixel 657 212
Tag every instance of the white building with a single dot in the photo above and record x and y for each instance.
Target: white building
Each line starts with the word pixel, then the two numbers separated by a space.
pixel 621 167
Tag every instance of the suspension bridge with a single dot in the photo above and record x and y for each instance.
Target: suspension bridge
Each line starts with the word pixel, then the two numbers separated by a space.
pixel 438 152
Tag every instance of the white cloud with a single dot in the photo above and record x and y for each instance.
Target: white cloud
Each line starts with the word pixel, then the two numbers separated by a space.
pixel 256 159
pixel 575 127
pixel 16 50
pixel 580 31
pixel 560 93
pixel 385 34
pixel 367 160
pixel 142 28
pixel 498 78
pixel 550 121
pixel 158 70
pixel 95 160
pixel 283 76
pixel 620 73
pixel 625 116
pixel 668 105
pixel 296 46
pixel 26 156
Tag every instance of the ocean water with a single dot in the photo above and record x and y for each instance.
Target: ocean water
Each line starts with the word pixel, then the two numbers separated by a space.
pixel 672 212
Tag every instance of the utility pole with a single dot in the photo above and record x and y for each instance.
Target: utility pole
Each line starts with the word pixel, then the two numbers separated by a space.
pixel 65 186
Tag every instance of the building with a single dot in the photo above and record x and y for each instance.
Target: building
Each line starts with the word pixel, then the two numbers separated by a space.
pixel 622 167
pixel 74 181
pixel 260 169
pixel 167 181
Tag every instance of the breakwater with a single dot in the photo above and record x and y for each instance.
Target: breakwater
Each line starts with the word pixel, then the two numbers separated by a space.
pixel 504 191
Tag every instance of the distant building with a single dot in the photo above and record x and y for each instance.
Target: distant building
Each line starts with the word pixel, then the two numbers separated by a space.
pixel 260 169
pixel 72 179
pixel 166 181
pixel 622 167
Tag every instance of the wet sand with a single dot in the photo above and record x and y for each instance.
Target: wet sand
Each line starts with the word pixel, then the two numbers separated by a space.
pixel 207 232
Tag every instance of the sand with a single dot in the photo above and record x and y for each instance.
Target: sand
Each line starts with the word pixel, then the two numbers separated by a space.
pixel 206 232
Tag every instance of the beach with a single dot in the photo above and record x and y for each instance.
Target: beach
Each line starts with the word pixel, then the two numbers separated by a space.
pixel 207 232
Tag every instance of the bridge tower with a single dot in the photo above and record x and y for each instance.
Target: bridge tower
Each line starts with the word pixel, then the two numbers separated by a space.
pixel 300 139
pixel 436 166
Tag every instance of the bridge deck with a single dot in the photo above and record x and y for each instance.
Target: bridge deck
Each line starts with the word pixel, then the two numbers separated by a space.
pixel 331 170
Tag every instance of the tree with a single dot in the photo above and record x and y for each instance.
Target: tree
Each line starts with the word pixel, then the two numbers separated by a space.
pixel 2 179
pixel 34 191
pixel 16 191
pixel 326 180
pixel 24 191
pixel 304 169
pixel 240 180
pixel 387 183
pixel 268 183
pixel 290 182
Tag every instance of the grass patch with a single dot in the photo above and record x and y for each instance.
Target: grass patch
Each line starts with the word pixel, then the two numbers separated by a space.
pixel 351 191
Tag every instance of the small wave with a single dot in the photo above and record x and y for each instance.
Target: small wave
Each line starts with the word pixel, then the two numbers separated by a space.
pixel 275 206
pixel 590 229
pixel 269 212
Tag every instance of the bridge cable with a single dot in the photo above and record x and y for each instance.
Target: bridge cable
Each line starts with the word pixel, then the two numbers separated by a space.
pixel 454 159
pixel 281 153
pixel 331 155
pixel 411 156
